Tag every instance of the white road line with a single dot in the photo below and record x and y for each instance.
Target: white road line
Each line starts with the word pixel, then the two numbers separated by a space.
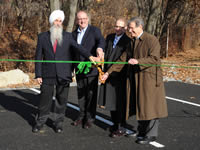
pixel 156 144
pixel 35 90
pixel 182 101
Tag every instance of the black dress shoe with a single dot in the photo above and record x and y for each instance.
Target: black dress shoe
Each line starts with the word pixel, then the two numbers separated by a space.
pixel 146 140
pixel 88 124
pixel 117 133
pixel 77 122
pixel 59 130
pixel 37 128
pixel 58 127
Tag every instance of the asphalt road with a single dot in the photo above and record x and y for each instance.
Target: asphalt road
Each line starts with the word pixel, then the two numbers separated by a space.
pixel 180 131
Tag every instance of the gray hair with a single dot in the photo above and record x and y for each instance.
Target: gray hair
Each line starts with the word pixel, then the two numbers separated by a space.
pixel 138 21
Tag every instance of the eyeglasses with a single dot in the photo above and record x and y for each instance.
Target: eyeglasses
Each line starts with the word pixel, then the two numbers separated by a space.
pixel 82 18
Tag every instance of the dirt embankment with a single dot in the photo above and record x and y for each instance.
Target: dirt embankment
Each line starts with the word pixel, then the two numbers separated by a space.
pixel 186 66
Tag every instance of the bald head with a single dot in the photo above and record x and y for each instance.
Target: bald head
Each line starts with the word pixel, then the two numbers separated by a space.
pixel 120 26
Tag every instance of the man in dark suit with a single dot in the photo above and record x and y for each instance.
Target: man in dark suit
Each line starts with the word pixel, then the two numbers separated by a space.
pixel 112 93
pixel 90 38
pixel 54 45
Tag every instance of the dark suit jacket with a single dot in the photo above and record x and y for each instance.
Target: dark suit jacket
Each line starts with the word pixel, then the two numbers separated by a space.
pixel 92 39
pixel 113 54
pixel 44 51
pixel 113 93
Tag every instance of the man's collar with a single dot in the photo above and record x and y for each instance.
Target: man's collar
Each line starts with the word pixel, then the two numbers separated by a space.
pixel 119 36
pixel 140 35
pixel 83 30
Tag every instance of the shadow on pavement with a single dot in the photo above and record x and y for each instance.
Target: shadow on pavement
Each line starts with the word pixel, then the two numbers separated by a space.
pixel 23 104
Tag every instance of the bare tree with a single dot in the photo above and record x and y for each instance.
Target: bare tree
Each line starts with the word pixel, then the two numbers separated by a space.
pixel 2 17
pixel 54 4
pixel 73 8
pixel 5 9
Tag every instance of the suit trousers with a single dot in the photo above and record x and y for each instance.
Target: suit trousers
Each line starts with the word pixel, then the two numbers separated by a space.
pixel 148 127
pixel 45 103
pixel 87 97
pixel 118 119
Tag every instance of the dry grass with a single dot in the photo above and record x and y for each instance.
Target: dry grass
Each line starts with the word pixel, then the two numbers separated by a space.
pixel 188 58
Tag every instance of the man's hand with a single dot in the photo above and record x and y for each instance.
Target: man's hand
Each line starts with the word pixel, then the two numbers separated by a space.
pixel 100 53
pixel 39 80
pixel 132 61
pixel 105 76
pixel 94 59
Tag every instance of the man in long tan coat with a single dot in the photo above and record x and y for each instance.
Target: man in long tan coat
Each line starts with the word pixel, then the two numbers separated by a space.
pixel 145 86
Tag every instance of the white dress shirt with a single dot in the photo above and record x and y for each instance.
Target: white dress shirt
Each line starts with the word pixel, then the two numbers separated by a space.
pixel 80 34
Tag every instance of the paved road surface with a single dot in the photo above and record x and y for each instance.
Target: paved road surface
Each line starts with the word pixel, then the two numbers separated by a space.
pixel 180 131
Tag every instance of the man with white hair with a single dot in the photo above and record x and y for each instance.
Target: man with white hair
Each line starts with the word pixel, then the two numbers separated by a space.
pixel 55 45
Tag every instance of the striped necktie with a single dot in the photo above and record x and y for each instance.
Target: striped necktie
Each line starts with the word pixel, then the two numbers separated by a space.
pixel 115 41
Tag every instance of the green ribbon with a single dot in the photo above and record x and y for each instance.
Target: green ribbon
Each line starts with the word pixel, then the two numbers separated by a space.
pixel 86 65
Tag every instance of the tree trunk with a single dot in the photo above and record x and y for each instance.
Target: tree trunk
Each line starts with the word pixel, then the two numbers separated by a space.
pixel 73 8
pixel 167 44
pixel 39 22
pixel 54 5
pixel 153 17
pixel 2 22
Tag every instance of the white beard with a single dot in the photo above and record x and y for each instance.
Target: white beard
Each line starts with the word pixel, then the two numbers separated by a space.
pixel 56 34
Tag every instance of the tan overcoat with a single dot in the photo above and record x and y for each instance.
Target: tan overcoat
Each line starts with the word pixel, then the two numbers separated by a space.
pixel 145 88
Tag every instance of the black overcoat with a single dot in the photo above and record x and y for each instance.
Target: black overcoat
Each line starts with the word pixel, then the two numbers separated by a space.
pixel 113 92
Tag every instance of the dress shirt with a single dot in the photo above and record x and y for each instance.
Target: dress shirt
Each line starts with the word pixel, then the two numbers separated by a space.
pixel 117 38
pixel 80 35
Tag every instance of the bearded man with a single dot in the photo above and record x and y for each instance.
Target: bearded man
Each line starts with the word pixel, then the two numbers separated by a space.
pixel 55 45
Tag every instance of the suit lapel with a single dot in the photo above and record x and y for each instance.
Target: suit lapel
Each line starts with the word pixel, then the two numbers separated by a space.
pixel 110 47
pixel 49 42
pixel 138 42
pixel 59 48
pixel 85 35
pixel 75 34
pixel 117 51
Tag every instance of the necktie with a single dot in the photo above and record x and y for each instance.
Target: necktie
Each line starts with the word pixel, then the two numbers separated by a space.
pixel 115 42
pixel 54 46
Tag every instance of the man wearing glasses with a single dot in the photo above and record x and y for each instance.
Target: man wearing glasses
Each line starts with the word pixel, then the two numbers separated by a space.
pixel 145 87
pixel 113 92
pixel 90 38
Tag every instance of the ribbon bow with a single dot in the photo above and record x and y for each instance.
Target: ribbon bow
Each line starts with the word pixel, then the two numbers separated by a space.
pixel 84 67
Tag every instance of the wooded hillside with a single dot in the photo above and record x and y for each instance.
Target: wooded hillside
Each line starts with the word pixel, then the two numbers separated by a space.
pixel 175 22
